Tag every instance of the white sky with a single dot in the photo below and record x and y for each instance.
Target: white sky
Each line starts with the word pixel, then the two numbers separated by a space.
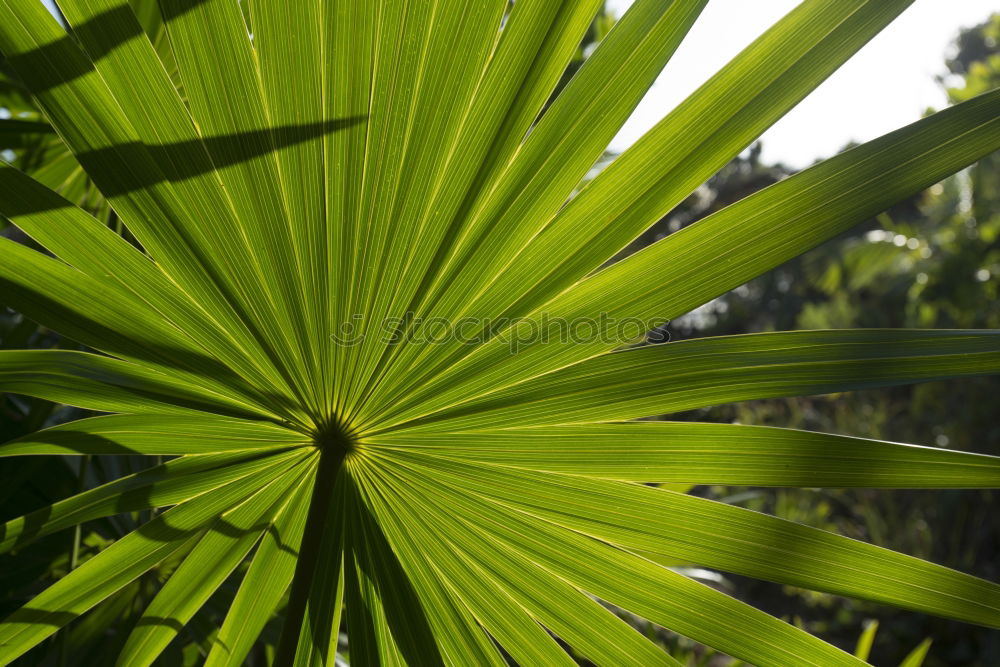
pixel 887 84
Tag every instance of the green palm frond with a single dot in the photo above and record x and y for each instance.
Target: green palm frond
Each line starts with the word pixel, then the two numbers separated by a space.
pixel 315 190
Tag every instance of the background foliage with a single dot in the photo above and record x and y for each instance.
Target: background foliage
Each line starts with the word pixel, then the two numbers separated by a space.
pixel 930 261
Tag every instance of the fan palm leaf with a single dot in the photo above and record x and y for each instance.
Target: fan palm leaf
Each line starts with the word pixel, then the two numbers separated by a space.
pixel 314 189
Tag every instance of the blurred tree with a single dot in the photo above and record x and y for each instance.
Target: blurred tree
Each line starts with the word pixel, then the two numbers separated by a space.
pixel 931 261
